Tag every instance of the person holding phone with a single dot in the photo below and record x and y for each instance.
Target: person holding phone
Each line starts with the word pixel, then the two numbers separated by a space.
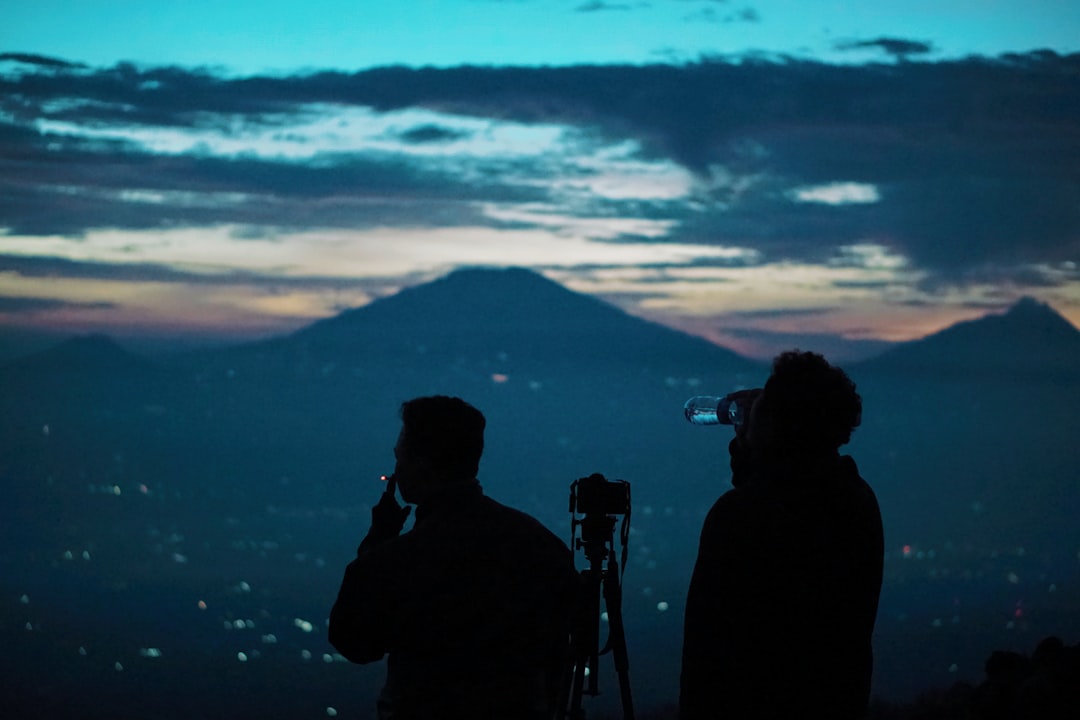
pixel 474 604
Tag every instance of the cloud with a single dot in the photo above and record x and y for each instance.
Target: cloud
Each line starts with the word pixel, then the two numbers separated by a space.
pixel 600 6
pixel 432 134
pixel 713 15
pixel 954 165
pixel 54 268
pixel 31 305
pixel 39 60
pixel 891 46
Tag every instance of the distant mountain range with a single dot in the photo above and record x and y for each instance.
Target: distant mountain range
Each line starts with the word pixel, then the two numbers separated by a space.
pixel 571 385
pixel 531 319
pixel 183 473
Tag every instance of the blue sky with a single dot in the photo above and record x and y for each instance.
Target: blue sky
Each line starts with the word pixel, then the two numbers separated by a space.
pixel 835 175
pixel 257 37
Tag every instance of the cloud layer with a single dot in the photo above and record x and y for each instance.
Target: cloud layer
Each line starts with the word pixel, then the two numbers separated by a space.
pixel 962 170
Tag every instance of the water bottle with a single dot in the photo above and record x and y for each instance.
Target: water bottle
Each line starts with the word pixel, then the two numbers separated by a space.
pixel 731 409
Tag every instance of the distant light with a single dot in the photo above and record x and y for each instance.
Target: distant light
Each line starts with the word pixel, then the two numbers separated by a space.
pixel 150 652
pixel 242 657
pixel 118 666
pixel 68 555
pixel 327 658
pixel 202 604
pixel 305 654
pixel 85 554
pixel 179 558
pixel 303 625
pixel 29 627
pixel 115 489
pixel 937 623
pixel 1053 587
pixel 499 378
pixel 82 651
pixel 331 712
pixel 25 599
pixel 143 489
pixel 244 587
pixel 662 606
pixel 604 616
pixel 269 639
pixel 907 551
pixel 953 668
pixel 1013 578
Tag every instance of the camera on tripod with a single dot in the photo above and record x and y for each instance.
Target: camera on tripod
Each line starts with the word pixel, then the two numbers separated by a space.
pixel 598 501
pixel 597 495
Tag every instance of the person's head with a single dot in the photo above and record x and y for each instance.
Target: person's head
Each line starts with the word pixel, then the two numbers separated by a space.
pixel 441 441
pixel 808 407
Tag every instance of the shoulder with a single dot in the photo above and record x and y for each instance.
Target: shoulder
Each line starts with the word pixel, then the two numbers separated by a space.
pixel 519 525
pixel 738 500
pixel 511 517
pixel 859 486
pixel 735 510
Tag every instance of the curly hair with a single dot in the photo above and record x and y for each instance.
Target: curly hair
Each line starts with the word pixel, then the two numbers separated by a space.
pixel 813 404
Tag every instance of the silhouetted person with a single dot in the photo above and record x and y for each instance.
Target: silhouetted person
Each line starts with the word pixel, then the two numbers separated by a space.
pixel 784 594
pixel 474 603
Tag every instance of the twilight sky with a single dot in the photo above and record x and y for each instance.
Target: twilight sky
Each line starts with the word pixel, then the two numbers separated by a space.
pixel 765 173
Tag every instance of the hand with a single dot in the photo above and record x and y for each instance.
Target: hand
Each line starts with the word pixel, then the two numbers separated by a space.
pixel 388 517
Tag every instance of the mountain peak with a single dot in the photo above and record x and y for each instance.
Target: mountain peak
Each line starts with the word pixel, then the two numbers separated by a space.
pixel 513 314
pixel 1028 309
pixel 94 352
pixel 1030 336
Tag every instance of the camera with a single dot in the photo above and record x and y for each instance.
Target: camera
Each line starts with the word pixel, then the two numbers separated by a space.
pixel 596 494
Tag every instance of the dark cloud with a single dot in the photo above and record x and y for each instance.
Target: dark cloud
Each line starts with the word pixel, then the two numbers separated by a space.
pixel 30 305
pixel 53 268
pixel 976 162
pixel 39 60
pixel 425 134
pixel 65 185
pixel 712 15
pixel 600 6
pixel 891 46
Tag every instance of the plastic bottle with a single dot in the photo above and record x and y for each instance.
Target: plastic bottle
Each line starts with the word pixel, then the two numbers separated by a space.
pixel 712 410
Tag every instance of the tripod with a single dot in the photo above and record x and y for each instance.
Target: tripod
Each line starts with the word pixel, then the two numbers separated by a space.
pixel 600 578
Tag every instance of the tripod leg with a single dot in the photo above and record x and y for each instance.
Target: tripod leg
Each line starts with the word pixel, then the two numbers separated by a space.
pixel 583 641
pixel 617 635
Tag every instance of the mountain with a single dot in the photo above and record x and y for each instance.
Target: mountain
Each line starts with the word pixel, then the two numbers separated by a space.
pixel 501 320
pixel 239 480
pixel 16 343
pixel 1030 338
pixel 85 353
pixel 970 432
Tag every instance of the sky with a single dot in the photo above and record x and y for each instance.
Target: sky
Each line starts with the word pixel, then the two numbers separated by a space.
pixel 766 174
